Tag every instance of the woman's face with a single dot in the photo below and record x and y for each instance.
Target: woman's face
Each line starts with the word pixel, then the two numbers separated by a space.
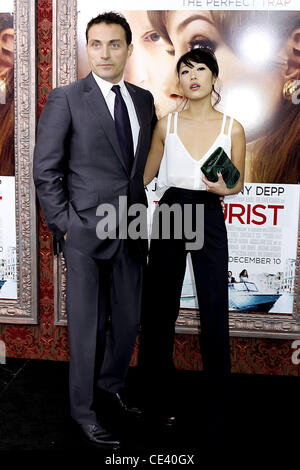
pixel 6 50
pixel 195 80
pixel 250 89
pixel 149 64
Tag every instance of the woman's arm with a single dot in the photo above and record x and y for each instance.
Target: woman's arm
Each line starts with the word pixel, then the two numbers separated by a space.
pixel 156 151
pixel 238 154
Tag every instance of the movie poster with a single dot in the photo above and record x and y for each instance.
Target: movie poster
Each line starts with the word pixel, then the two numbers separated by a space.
pixel 257 47
pixel 8 272
pixel 8 262
pixel 262 224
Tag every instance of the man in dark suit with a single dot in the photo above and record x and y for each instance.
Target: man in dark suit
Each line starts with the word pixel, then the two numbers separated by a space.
pixel 92 144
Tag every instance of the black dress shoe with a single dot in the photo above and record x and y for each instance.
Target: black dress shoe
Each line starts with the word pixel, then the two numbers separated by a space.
pixel 114 400
pixel 168 421
pixel 99 436
pixel 161 418
pixel 160 415
pixel 124 407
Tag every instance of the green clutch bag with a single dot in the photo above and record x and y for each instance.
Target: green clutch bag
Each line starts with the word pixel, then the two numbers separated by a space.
pixel 219 161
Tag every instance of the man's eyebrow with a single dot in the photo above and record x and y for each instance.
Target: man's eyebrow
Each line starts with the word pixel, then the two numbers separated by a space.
pixel 188 20
pixel 112 40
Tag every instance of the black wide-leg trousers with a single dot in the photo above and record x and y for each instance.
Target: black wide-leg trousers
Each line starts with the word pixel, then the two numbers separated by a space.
pixel 103 304
pixel 162 287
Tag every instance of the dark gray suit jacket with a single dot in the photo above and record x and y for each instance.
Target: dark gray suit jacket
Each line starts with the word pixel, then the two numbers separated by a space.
pixel 78 163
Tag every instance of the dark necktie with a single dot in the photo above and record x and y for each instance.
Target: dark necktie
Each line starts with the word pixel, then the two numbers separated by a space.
pixel 123 128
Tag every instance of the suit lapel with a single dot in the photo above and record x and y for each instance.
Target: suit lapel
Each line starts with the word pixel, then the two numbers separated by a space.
pixel 101 112
pixel 140 112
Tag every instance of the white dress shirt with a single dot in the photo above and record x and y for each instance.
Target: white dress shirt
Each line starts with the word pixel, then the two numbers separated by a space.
pixel 109 97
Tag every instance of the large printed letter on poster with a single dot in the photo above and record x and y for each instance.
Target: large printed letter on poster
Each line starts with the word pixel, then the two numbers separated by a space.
pixel 259 82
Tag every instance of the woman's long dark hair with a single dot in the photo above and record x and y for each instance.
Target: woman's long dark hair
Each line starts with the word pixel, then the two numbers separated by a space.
pixel 244 273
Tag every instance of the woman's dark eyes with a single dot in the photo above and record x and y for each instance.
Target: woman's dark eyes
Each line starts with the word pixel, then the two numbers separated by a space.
pixel 194 44
pixel 152 37
pixel 186 71
pixel 170 52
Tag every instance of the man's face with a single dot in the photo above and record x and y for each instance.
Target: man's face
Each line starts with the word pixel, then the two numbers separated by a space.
pixel 107 51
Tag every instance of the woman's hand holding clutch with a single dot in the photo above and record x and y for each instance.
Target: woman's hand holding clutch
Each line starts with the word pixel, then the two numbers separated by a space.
pixel 219 187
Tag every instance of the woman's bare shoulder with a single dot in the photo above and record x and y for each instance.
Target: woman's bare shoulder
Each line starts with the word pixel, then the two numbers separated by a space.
pixel 161 125
pixel 162 122
pixel 237 128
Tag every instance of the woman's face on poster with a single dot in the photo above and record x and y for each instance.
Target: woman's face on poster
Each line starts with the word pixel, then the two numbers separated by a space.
pixel 6 50
pixel 249 84
pixel 149 65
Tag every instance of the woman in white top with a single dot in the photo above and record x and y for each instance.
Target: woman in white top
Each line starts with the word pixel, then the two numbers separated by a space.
pixel 180 145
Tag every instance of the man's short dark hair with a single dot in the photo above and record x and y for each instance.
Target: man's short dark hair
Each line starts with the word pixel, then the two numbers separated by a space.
pixel 111 18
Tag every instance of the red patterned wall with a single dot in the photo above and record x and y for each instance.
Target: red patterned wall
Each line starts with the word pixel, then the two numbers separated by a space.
pixel 46 341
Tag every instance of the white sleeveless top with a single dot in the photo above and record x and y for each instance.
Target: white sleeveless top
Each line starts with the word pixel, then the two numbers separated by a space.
pixel 178 168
